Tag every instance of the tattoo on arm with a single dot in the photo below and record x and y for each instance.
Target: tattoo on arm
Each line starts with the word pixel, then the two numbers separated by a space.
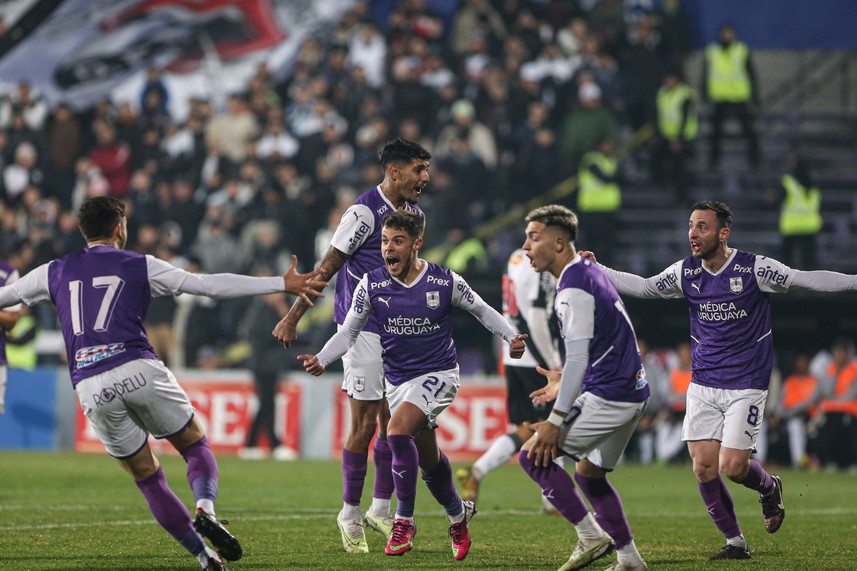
pixel 330 265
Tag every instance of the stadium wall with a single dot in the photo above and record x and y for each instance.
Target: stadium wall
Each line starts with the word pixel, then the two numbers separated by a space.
pixel 312 414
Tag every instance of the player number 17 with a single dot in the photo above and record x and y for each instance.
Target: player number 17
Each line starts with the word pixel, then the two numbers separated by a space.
pixel 112 286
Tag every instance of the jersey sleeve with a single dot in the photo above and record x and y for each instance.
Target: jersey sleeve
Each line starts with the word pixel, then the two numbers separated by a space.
pixel 465 298
pixel 776 277
pixel 666 285
pixel 355 227
pixel 166 279
pixel 353 324
pixel 576 311
pixel 30 289
pixel 13 277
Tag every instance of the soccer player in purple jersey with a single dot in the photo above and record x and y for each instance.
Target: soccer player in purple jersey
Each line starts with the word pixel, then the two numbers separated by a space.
pixel 8 319
pixel 102 295
pixel 528 307
pixel 727 293
pixel 412 301
pixel 600 395
pixel 356 249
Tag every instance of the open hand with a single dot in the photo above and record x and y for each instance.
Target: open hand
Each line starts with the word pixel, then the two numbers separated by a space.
pixel 305 286
pixel 548 392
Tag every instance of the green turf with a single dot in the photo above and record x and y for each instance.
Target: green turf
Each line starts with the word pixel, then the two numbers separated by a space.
pixel 71 511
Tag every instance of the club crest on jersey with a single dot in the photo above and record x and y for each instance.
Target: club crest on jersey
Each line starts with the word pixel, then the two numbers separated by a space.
pixel 359 384
pixel 736 285
pixel 433 299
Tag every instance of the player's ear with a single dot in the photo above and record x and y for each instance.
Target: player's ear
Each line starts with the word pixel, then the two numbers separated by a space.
pixel 418 243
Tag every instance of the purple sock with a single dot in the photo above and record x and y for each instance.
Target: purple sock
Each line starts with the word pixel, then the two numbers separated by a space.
pixel 201 470
pixel 758 479
pixel 607 506
pixel 383 459
pixel 557 487
pixel 353 476
pixel 405 465
pixel 441 486
pixel 720 507
pixel 169 511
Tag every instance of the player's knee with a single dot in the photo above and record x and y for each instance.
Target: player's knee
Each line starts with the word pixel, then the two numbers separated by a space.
pixel 734 470
pixel 704 471
pixel 363 427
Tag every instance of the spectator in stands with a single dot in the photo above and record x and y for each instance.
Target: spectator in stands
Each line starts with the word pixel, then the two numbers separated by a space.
pixel 229 131
pixel 729 85
pixel 476 18
pixel 800 215
pixel 587 125
pixel 465 126
pixel 26 102
pixel 63 146
pixel 798 403
pixel 113 157
pixel 21 174
pixel 676 132
pixel 599 197
pixel 838 432
pixel 668 443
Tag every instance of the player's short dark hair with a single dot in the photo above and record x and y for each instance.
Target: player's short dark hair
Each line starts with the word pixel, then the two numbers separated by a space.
pixel 557 216
pixel 402 151
pixel 724 213
pixel 405 220
pixel 99 215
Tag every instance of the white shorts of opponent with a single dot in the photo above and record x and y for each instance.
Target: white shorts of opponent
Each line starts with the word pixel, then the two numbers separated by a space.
pixel 599 429
pixel 732 416
pixel 432 393
pixel 364 370
pixel 126 404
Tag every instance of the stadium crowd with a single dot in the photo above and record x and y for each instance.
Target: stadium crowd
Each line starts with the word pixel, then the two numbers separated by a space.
pixel 509 97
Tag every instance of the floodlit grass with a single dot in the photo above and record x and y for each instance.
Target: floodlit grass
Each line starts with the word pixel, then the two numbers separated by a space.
pixel 72 511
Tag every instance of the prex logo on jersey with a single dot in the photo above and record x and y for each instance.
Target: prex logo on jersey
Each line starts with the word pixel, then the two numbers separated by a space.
pixel 434 280
pixel 376 285
pixel 691 271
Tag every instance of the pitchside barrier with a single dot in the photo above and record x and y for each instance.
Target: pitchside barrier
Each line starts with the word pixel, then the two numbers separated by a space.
pixel 311 413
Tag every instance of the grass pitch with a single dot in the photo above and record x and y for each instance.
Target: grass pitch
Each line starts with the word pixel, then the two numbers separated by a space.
pixel 82 512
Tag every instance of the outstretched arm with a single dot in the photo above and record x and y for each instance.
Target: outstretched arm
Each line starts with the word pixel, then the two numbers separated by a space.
pixel 166 279
pixel 666 285
pixel 286 329
pixel 464 297
pixel 345 337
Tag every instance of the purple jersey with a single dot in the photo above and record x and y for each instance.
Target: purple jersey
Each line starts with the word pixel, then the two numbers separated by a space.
pixel 588 307
pixel 730 323
pixel 6 271
pixel 102 296
pixel 415 321
pixel 359 237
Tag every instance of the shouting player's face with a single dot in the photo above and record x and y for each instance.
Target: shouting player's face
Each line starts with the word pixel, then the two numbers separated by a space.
pixel 399 250
pixel 540 246
pixel 705 234
pixel 410 180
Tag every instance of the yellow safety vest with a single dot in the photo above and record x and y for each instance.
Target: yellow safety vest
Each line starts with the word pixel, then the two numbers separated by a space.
pixel 670 105
pixel 22 356
pixel 595 195
pixel 728 80
pixel 460 257
pixel 800 212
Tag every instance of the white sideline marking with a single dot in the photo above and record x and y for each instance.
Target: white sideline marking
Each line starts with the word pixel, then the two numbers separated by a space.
pixel 331 514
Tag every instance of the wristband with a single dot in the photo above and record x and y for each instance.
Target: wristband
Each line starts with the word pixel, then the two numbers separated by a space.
pixel 556 418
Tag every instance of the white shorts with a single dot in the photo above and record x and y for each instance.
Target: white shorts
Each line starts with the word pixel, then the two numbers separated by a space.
pixel 732 416
pixel 364 369
pixel 599 429
pixel 431 393
pixel 127 403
